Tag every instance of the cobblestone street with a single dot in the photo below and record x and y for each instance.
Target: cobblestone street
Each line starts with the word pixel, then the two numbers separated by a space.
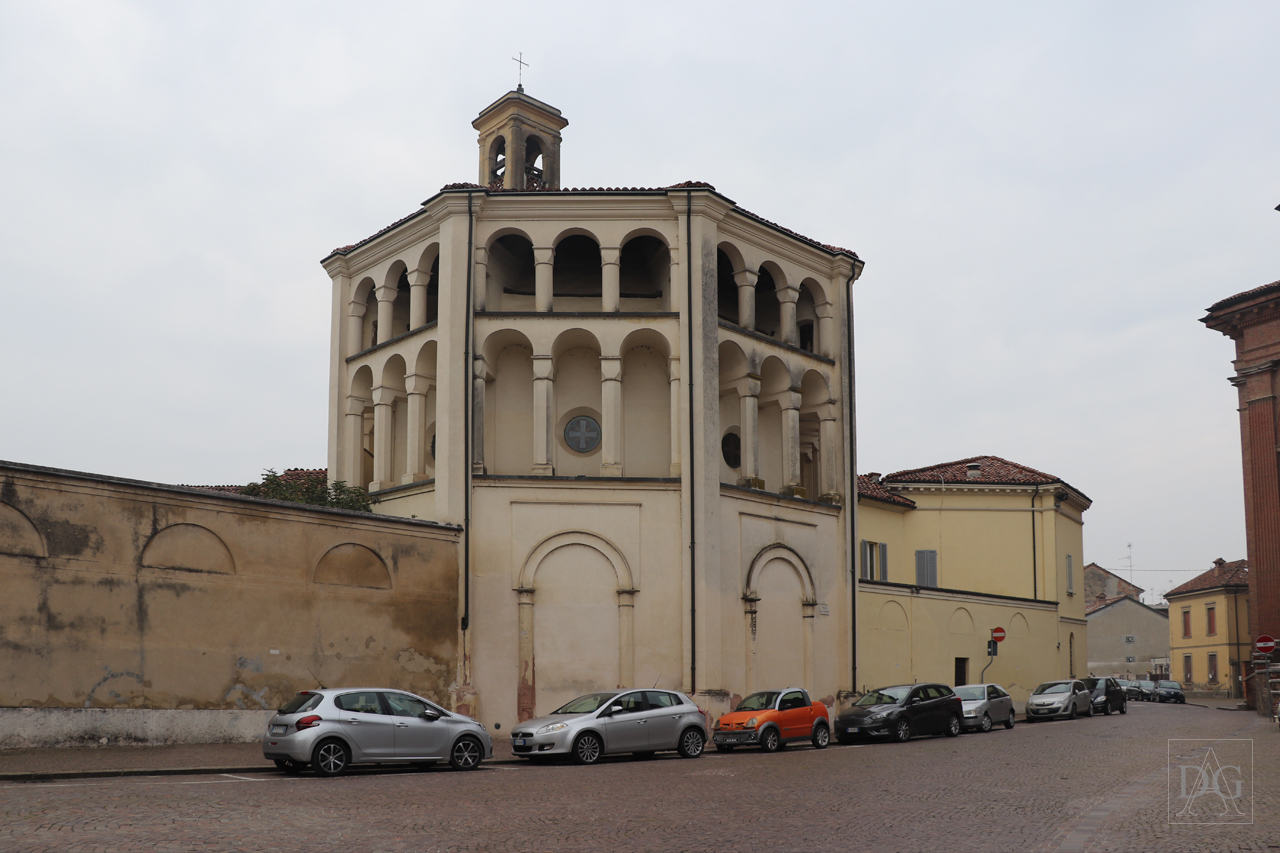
pixel 1088 784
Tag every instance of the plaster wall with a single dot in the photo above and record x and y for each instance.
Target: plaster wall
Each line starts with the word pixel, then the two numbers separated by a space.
pixel 1109 648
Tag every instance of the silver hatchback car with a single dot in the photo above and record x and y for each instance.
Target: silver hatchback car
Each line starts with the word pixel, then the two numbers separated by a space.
pixel 1059 699
pixel 985 705
pixel 640 721
pixel 331 729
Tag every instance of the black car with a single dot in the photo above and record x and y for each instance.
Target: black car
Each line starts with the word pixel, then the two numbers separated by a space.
pixel 1131 689
pixel 1107 695
pixel 1170 691
pixel 901 712
pixel 1147 691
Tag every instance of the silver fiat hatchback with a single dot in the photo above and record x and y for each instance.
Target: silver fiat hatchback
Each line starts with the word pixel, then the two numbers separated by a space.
pixel 331 729
pixel 612 721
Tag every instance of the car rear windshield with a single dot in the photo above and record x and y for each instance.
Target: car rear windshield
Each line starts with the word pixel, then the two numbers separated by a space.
pixel 972 692
pixel 585 704
pixel 1092 683
pixel 1171 685
pixel 302 702
pixel 758 701
pixel 1054 687
pixel 1147 684
pixel 884 696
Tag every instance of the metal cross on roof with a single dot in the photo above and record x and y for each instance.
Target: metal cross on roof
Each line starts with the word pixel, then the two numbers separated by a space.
pixel 521 65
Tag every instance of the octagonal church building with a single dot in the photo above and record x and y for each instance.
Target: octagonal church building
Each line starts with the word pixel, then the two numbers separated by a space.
pixel 636 403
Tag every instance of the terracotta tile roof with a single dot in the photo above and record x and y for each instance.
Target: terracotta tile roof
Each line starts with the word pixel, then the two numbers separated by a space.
pixel 1273 287
pixel 683 185
pixel 1100 603
pixel 1235 573
pixel 869 486
pixel 992 470
pixel 288 474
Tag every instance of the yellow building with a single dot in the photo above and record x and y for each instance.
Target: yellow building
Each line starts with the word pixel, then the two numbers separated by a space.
pixel 1209 629
pixel 949 553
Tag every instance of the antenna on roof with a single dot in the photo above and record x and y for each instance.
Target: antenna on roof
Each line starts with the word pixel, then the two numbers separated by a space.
pixel 522 65
pixel 1129 558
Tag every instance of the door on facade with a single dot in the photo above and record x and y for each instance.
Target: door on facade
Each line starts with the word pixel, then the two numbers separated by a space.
pixel 962 672
pixel 627 730
pixel 364 722
pixel 416 736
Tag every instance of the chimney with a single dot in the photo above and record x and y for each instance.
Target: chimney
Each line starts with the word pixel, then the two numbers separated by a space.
pixel 874 476
pixel 973 470
pixel 1219 563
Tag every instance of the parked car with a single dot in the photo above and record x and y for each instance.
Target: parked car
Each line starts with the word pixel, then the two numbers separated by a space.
pixel 1059 699
pixel 772 719
pixel 614 721
pixel 984 706
pixel 1170 691
pixel 1148 691
pixel 901 712
pixel 1131 689
pixel 1107 695
pixel 331 729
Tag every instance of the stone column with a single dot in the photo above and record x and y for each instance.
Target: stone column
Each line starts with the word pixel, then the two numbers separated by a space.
pixel 749 429
pixel 513 177
pixel 808 609
pixel 480 375
pixel 787 297
pixel 384 400
pixel 746 281
pixel 826 343
pixel 418 280
pixel 355 326
pixel 386 313
pixel 828 441
pixel 417 386
pixel 480 282
pixel 543 273
pixel 610 273
pixel 353 442
pixel 749 608
pixel 677 433
pixel 626 637
pixel 611 413
pixel 543 415
pixel 526 689
pixel 790 402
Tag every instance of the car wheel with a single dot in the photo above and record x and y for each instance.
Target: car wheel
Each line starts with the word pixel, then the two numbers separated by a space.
pixel 691 743
pixel 289 766
pixel 902 730
pixel 1089 713
pixel 821 737
pixel 985 725
pixel 1106 708
pixel 722 748
pixel 769 741
pixel 953 726
pixel 466 754
pixel 587 749
pixel 1008 724
pixel 330 758
pixel 1124 707
pixel 1071 715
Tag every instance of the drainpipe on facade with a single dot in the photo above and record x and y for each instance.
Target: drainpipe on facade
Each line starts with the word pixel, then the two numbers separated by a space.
pixel 1035 580
pixel 693 507
pixel 466 442
pixel 851 509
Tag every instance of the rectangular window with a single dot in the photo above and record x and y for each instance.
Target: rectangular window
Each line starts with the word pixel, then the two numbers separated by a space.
pixel 1213 668
pixel 927 568
pixel 1129 638
pixel 875 561
pixel 1211 619
pixel 1131 659
pixel 1186 669
pixel 1186 624
pixel 1071 576
pixel 962 671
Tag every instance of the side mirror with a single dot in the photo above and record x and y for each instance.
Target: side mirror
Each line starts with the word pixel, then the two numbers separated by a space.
pixel 430 716
pixel 616 709
pixel 915 700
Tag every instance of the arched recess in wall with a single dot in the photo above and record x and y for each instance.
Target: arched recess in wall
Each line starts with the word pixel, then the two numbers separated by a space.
pixel 892 617
pixel 572 576
pixel 18 536
pixel 961 621
pixel 1018 626
pixel 779 604
pixel 351 564
pixel 189 547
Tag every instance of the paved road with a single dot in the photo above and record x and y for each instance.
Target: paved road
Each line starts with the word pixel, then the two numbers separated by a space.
pixel 1088 784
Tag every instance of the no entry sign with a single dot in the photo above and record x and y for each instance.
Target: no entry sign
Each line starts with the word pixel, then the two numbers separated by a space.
pixel 997 634
pixel 1266 644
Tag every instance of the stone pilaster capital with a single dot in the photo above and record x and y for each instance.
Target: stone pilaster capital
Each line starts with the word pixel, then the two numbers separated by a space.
pixel 610 255
pixel 789 399
pixel 745 278
pixel 524 595
pixel 356 405
pixel 482 255
pixel 610 368
pixel 356 309
pixel 790 293
pixel 384 395
pixel 419 278
pixel 480 368
pixel 419 383
pixel 673 368
pixel 544 367
pixel 387 292
pixel 544 255
pixel 824 310
pixel 827 411
pixel 626 597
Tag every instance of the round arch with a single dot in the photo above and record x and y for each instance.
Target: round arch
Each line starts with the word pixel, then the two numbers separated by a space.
pixel 645 231
pixel 529 571
pixel 509 231
pixel 786 554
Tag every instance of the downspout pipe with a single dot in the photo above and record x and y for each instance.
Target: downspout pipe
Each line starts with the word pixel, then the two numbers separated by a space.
pixel 851 511
pixel 693 480
pixel 1035 578
pixel 466 429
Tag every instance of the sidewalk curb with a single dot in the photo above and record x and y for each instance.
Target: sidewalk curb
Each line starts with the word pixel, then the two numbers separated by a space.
pixel 61 775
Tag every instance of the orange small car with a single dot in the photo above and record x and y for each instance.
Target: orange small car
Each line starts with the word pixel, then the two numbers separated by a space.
pixel 771 719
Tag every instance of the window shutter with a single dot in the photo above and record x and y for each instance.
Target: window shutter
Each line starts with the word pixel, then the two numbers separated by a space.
pixel 926 568
pixel 884 561
pixel 865 568
pixel 1071 577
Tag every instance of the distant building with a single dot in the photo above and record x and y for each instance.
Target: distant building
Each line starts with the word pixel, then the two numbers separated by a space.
pixel 1209 629
pixel 1127 639
pixel 1101 582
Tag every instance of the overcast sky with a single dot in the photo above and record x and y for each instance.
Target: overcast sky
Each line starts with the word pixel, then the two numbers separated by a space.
pixel 1047 196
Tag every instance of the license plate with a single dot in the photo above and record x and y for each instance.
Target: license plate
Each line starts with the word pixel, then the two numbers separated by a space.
pixel 518 741
pixel 731 740
pixel 279 730
pixel 852 730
